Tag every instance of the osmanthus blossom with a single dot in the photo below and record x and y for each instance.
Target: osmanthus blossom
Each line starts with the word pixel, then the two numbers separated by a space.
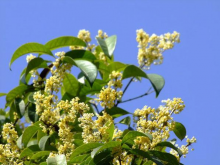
pixel 59 116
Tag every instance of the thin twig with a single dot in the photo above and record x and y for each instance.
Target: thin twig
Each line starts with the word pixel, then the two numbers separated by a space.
pixel 145 94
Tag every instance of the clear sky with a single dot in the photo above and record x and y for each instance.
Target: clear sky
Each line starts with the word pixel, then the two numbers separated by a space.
pixel 191 70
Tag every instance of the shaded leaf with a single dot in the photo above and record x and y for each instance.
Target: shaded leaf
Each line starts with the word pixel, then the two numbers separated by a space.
pixel 83 54
pixel 35 64
pixel 133 71
pixel 116 112
pixel 168 144
pixel 165 157
pixel 40 154
pixel 157 82
pixel 111 144
pixel 179 130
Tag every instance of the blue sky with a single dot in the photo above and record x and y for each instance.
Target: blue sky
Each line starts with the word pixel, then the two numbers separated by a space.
pixel 191 69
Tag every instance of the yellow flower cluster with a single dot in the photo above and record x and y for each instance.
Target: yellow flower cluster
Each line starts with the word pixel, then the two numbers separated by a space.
pixel 30 57
pixel 157 122
pixel 95 130
pixel 152 47
pixel 109 95
pixel 9 153
pixel 84 35
pixel 123 159
pixel 101 34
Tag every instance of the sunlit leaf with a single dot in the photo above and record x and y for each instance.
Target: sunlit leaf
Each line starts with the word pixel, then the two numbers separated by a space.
pixel 64 41
pixel 30 48
pixel 107 45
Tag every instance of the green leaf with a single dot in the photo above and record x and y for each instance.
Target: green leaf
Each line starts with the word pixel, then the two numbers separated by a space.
pixel 82 54
pixel 71 84
pixel 126 121
pixel 131 135
pixel 140 153
pixel 33 116
pixel 3 94
pixel 57 160
pixel 64 41
pixel 30 48
pixel 29 132
pixel 116 66
pixel 79 159
pixel 29 151
pixel 117 112
pixel 168 144
pixel 84 149
pixel 157 82
pixel 20 107
pixel 165 157
pixel 89 69
pixel 179 130
pixel 111 144
pixel 43 142
pixel 35 64
pixel 133 71
pixel 40 154
pixel 18 91
pixel 107 45
pixel 110 131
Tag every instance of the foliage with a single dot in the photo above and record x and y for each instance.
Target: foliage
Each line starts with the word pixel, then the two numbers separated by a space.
pixel 53 117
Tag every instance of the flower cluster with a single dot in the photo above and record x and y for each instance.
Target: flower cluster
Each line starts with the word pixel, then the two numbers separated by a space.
pixel 101 34
pixel 95 130
pixel 157 122
pixel 152 47
pixel 10 153
pixel 109 95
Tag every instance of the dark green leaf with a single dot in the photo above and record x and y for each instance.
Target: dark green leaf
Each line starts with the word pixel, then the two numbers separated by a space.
pixel 111 144
pixel 157 82
pixel 83 54
pixel 179 130
pixel 116 112
pixel 30 48
pixel 165 157
pixel 20 106
pixel 35 64
pixel 84 149
pixel 168 144
pixel 108 45
pixel 33 116
pixel 140 153
pixel 133 71
pixel 64 41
